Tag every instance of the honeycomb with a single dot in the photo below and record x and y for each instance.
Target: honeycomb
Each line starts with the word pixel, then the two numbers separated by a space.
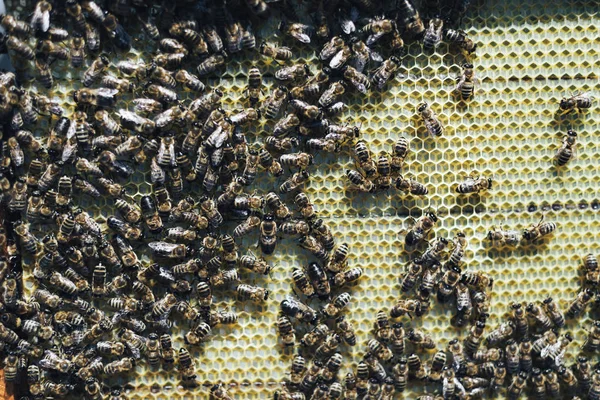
pixel 530 54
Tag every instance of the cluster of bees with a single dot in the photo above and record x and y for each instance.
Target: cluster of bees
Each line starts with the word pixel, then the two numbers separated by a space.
pixel 109 288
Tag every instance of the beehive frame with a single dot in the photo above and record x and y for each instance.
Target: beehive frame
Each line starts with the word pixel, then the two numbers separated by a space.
pixel 530 54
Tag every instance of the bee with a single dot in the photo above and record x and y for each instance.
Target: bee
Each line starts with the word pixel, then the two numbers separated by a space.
pixel 253 293
pixel 474 184
pixel 150 28
pixel 275 102
pixel 357 79
pixel 296 309
pixel 305 110
pixel 578 102
pixel 554 312
pixel 421 228
pixel 340 58
pixel 211 64
pixel 294 73
pixel 408 307
pixel 331 94
pixel 377 28
pixel 128 231
pixel 254 88
pixel 198 334
pixel 20 48
pixel 411 186
pixel 161 93
pixel 385 72
pixel 433 34
pixel 27 240
pixel 295 182
pixel 286 331
pixel 45 74
pixel 285 125
pixel 95 70
pixel 567 150
pixel 306 208
pixel 14 26
pixel 220 392
pixel 101 97
pixel 276 53
pixel 296 30
pixel 44 105
pixel 359 181
pixel 268 234
pixel 92 37
pixel 119 366
pixel 247 226
pixel 116 32
pixel 578 305
pixel 189 81
pixel 461 40
pixel 330 48
pixel 537 231
pixel 431 121
pixel 503 237
pixel 467 82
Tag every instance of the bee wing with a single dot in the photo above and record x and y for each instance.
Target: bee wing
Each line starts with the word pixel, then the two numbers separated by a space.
pixel 375 56
pixel 106 92
pixel 301 36
pixel 373 38
pixel 71 131
pixel 347 26
pixel 40 19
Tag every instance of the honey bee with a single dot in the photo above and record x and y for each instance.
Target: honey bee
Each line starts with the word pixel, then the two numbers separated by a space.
pixel 421 228
pixel 330 48
pixel 579 304
pixel 474 184
pixel 211 64
pixel 359 181
pixel 220 392
pixel 14 26
pixel 567 150
pixel 431 121
pixel 45 74
pixel 276 53
pixel 461 40
pixel 286 331
pixel 578 102
pixel 386 71
pixel 44 105
pixel 135 122
pixel 268 234
pixel 411 186
pixel 20 48
pixel 357 79
pixel 536 231
pixel 296 309
pixel 294 73
pixel 331 94
pixel 253 293
pixel 296 30
pixel 377 28
pixel 467 82
pixel 101 97
pixel 116 32
pixel 295 182
pixel 433 34
pixel 119 366
pixel 408 307
pixel 161 93
pixel 92 37
pixel 285 125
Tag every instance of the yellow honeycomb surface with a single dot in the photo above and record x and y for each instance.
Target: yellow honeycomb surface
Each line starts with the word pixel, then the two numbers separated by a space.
pixel 530 54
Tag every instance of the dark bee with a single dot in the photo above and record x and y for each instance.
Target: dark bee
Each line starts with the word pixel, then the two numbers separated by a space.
pixel 276 53
pixel 331 94
pixel 474 184
pixel 294 182
pixel 567 150
pixel 20 48
pixel 467 82
pixel 578 102
pixel 298 31
pixel 254 88
pixel 95 70
pixel 150 214
pixel 212 37
pixel 359 181
pixel 189 81
pixel 247 226
pixel 431 121
pixel 433 34
pixel 116 32
pixel 385 72
pixel 275 101
pixel 357 79
pixel 286 331
pixel 296 309
pixel 92 37
pixel 211 64
pixel 162 94
pixel 101 97
pixel 461 40
pixel 253 293
pixel 421 228
pixel 537 231
pixel 14 26
pixel 578 305
pixel 377 28
pixel 294 73
pixel 268 234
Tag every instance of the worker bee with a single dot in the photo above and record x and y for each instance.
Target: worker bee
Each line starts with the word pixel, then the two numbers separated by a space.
pixel 14 26
pixel 119 366
pixel 116 32
pixel 211 64
pixel 44 105
pixel 537 231
pixel 411 186
pixel 377 28
pixel 135 122
pixel 294 182
pixel 20 48
pixel 359 181
pixel 467 82
pixel 461 40
pixel 578 305
pixel 431 121
pixel 331 94
pixel 92 37
pixel 97 68
pixel 254 88
pixel 474 184
pixel 253 293
pixel 385 72
pixel 421 228
pixel 357 79
pixel 298 31
pixel 296 309
pixel 294 73
pixel 433 34
pixel 161 93
pixel 286 331
pixel 578 102
pixel 276 53
pixel 503 237
pixel 101 97
pixel 268 234
pixel 567 150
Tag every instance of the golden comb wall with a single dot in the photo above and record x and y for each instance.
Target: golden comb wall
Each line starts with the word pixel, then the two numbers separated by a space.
pixel 530 54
